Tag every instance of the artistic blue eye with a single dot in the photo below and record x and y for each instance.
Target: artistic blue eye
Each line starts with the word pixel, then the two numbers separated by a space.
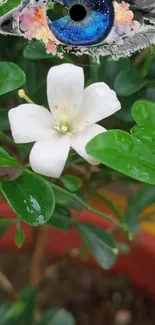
pixel 87 22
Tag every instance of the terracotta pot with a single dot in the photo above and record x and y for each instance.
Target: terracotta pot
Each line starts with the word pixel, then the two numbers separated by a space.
pixel 138 265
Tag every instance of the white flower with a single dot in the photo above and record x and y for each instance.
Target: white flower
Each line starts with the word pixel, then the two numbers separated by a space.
pixel 69 123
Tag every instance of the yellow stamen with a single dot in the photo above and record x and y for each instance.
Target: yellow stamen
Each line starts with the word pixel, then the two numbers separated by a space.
pixel 64 120
pixel 21 94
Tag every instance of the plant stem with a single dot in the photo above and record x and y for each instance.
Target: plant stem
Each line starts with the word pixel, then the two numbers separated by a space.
pixel 121 225
pixel 110 204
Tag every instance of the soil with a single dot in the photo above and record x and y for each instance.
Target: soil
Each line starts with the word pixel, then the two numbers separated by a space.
pixel 93 297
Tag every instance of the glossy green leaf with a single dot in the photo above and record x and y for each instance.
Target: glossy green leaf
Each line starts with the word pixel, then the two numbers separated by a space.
pixel 100 244
pixel 146 135
pixel 6 160
pixel 19 236
pixel 144 197
pixel 128 82
pixel 124 153
pixel 31 198
pixel 11 77
pixel 143 113
pixel 71 183
pixel 61 218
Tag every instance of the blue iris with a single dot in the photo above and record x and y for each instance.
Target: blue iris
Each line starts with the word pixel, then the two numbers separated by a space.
pixel 88 22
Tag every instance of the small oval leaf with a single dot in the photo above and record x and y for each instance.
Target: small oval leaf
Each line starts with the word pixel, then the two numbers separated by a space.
pixel 11 77
pixel 144 197
pixel 100 244
pixel 6 160
pixel 31 197
pixel 61 218
pixel 128 82
pixel 71 183
pixel 19 236
pixel 143 112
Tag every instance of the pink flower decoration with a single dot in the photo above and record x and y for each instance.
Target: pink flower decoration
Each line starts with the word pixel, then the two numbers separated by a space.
pixel 51 48
pixel 28 35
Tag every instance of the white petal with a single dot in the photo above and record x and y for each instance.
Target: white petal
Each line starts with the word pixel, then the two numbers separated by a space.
pixel 99 102
pixel 65 84
pixel 30 123
pixel 49 157
pixel 80 141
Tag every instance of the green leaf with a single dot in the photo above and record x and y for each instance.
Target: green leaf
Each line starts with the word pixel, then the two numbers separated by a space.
pixel 19 236
pixel 143 113
pixel 62 198
pixel 128 82
pixel 56 317
pixel 36 51
pixel 63 317
pixel 61 218
pixel 31 198
pixel 6 160
pixel 124 153
pixel 109 69
pixel 29 297
pixel 4 308
pixel 100 244
pixel 122 247
pixel 4 121
pixel 144 197
pixel 71 183
pixel 11 77
pixel 4 223
pixel 146 135
pixel 8 5
pixel 21 311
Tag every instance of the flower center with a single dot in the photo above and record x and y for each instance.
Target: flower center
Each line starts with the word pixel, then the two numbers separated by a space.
pixel 63 125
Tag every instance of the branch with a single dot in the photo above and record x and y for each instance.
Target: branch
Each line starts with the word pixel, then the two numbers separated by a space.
pixel 7 286
pixel 120 225
pixel 37 255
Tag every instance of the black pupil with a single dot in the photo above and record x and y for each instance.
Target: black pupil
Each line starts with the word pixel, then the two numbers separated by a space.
pixel 77 12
